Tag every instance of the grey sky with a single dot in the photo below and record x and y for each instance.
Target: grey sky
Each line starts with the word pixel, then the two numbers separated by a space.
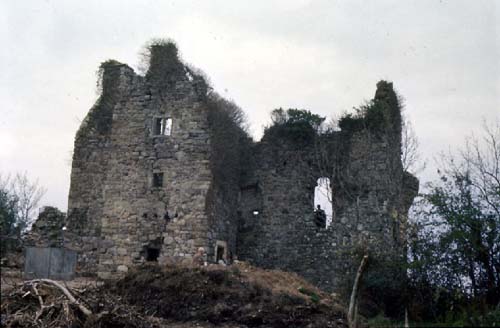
pixel 325 56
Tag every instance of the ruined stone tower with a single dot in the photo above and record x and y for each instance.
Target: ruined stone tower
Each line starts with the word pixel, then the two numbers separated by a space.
pixel 141 184
pixel 157 173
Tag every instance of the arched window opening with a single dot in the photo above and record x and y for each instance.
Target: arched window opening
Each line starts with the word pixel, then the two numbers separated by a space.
pixel 323 202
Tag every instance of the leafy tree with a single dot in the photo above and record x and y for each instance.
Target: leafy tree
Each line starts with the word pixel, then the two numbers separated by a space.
pixel 8 209
pixel 296 116
pixel 454 245
pixel 230 140
pixel 297 125
pixel 8 217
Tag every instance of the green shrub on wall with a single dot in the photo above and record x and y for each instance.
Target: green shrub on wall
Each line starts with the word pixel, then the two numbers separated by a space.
pixel 296 125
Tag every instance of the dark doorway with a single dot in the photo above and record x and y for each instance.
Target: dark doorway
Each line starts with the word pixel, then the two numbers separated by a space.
pixel 152 254
pixel 219 253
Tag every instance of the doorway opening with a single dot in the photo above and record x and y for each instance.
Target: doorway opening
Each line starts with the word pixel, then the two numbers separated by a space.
pixel 221 251
pixel 152 254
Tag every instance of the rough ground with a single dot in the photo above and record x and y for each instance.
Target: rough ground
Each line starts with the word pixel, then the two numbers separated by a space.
pixel 178 297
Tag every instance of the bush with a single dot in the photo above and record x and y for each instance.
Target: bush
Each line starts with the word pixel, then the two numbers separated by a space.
pixel 380 321
pixel 296 125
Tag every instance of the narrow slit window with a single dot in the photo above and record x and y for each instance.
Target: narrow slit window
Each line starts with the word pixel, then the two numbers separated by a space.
pixel 157 180
pixel 158 126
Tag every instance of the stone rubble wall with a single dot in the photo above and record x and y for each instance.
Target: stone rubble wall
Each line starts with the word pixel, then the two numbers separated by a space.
pixel 369 210
pixel 47 230
pixel 256 199
pixel 88 172
pixel 115 212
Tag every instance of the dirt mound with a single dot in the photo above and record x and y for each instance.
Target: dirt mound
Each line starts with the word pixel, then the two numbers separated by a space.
pixel 236 296
pixel 248 296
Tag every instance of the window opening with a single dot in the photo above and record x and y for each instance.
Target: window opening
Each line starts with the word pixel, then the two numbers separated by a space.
pixel 168 127
pixel 323 203
pixel 162 126
pixel 158 126
pixel 157 180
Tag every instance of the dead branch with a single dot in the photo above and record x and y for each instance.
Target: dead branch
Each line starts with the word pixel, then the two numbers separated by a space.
pixel 40 300
pixel 353 304
pixel 66 292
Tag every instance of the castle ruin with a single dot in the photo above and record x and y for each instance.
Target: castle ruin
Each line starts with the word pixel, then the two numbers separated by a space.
pixel 159 171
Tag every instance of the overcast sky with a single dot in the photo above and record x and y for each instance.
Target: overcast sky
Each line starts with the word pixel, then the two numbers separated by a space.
pixel 325 56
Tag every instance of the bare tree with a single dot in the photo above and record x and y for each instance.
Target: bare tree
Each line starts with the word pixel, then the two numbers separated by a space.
pixel 410 155
pixel 482 157
pixel 28 195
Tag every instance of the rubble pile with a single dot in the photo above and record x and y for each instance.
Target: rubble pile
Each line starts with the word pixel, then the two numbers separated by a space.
pixel 151 296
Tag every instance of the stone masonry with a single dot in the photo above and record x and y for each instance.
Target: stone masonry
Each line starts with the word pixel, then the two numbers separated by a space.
pixel 48 229
pixel 154 178
pixel 371 198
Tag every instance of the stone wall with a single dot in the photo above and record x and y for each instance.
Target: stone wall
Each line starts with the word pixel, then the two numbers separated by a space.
pixel 228 146
pixel 47 230
pixel 135 190
pixel 144 190
pixel 367 180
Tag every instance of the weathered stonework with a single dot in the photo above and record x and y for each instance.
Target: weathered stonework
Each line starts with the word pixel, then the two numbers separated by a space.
pixel 371 199
pixel 142 190
pixel 47 231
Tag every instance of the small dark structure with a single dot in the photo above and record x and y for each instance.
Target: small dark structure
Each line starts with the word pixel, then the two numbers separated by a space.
pixel 49 262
